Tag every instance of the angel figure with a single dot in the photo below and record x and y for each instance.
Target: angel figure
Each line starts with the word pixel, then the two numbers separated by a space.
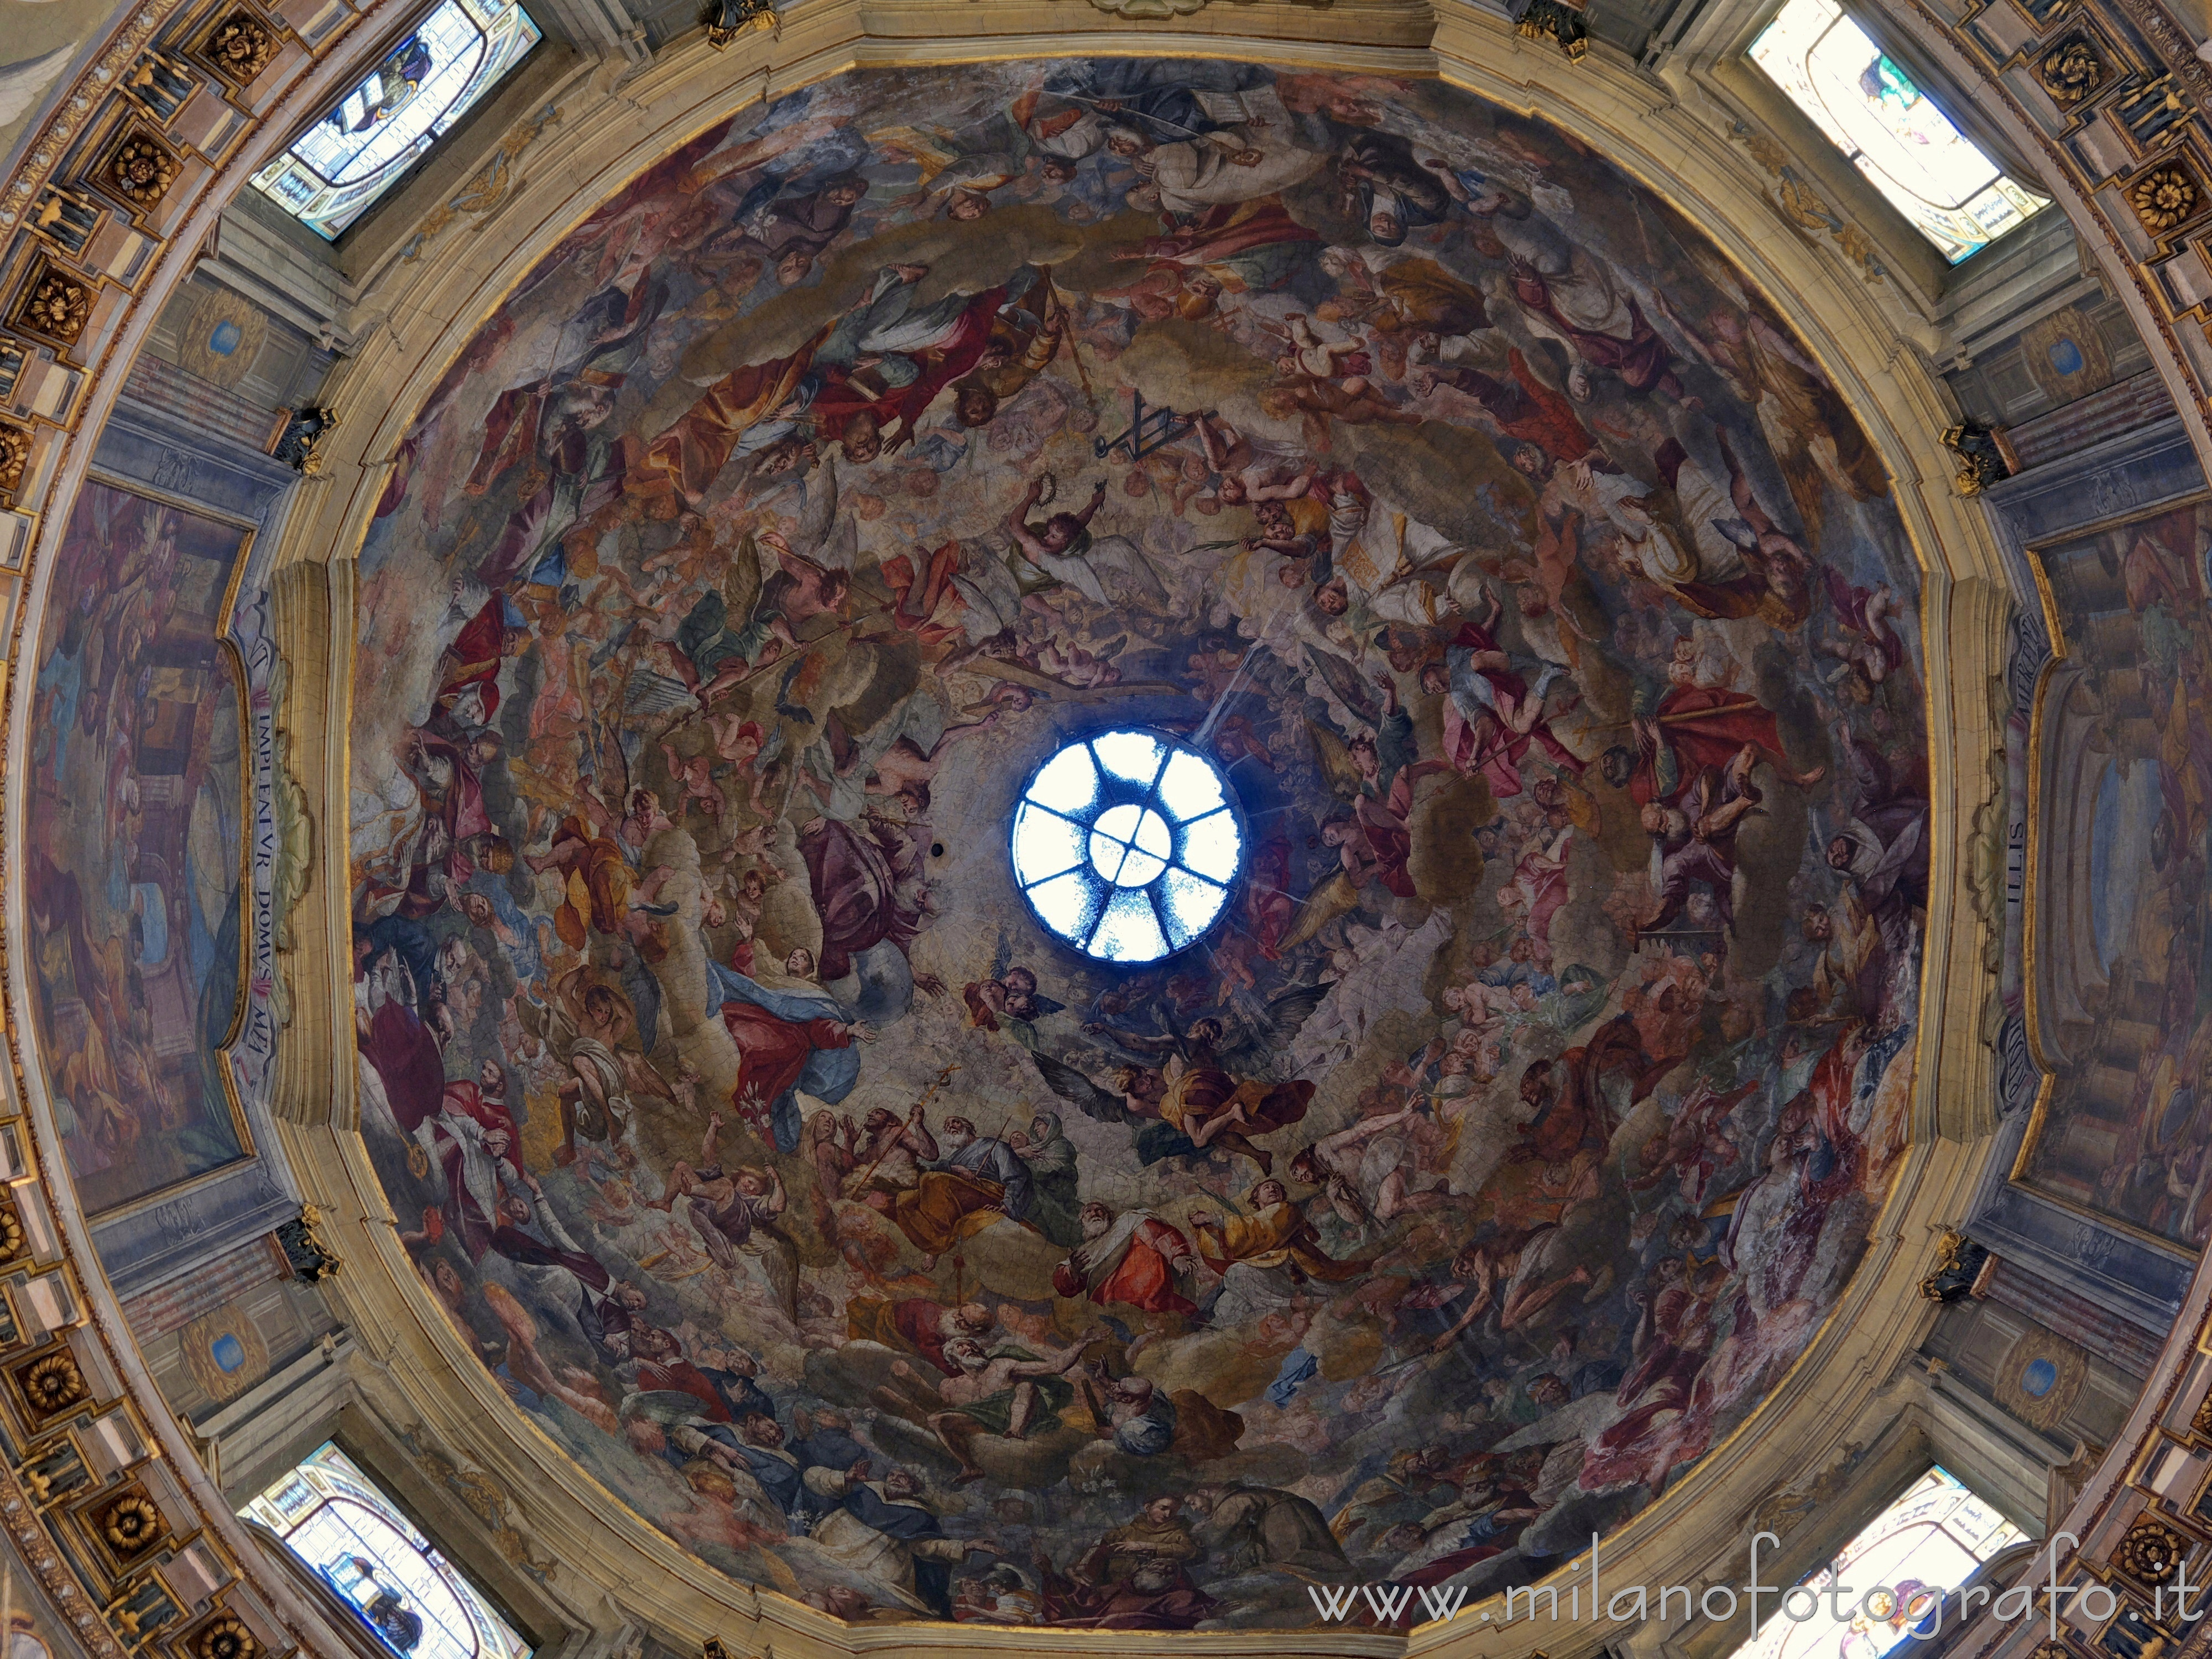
pixel 591 1026
pixel 734 1213
pixel 1204 1094
pixel 1306 353
pixel 1493 715
pixel 1064 547
pixel 694 776
pixel 1009 995
pixel 747 623
pixel 1373 842
pixel 600 859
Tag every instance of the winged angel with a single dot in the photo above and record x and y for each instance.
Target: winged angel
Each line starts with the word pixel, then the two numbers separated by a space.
pixel 1201 1093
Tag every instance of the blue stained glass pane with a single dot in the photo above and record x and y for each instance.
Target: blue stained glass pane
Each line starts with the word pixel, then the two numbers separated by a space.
pixel 1068 783
pixel 1212 847
pixel 1189 789
pixel 363 144
pixel 1129 932
pixel 1189 904
pixel 1045 844
pixel 1069 903
pixel 1124 845
pixel 1134 757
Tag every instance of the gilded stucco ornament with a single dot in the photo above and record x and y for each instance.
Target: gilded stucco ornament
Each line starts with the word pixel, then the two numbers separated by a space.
pixel 1982 454
pixel 141 169
pixel 2151 1552
pixel 1957 1261
pixel 725 19
pixel 226 1638
pixel 309 1257
pixel 488 187
pixel 131 1524
pixel 1555 21
pixel 1164 9
pixel 1802 206
pixel 54 1384
pixel 55 305
pixel 2164 197
pixel 14 458
pixel 2071 71
pixel 240 46
pixel 303 434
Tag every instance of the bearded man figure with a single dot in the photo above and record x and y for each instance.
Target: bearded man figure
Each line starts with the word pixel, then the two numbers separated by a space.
pixel 978 1180
pixel 1134 1258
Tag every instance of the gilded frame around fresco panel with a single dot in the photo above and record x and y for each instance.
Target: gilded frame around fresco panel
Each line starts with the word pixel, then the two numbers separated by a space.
pixel 234 666
pixel 2039 1113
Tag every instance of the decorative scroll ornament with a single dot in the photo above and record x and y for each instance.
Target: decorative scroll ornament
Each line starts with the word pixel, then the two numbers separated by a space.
pixel 487 188
pixel 725 19
pixel 1556 20
pixel 1957 1261
pixel 241 46
pixel 55 305
pixel 2071 71
pixel 2163 198
pixel 1803 207
pixel 141 169
pixel 1984 457
pixel 310 1257
pixel 2150 1552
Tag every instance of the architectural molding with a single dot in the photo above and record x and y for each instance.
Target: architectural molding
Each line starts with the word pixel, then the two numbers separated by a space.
pixel 1865 341
pixel 1869 341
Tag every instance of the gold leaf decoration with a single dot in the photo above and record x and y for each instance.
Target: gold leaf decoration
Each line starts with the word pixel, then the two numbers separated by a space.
pixel 2163 198
pixel 226 1638
pixel 141 169
pixel 240 46
pixel 2071 71
pixel 15 457
pixel 131 1524
pixel 55 305
pixel 2151 1552
pixel 54 1384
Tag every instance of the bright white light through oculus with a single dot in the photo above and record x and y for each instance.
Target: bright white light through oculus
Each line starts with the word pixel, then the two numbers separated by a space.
pixel 1125 845
pixel 1129 845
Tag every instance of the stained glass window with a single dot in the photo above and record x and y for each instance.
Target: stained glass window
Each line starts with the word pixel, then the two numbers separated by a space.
pixel 1933 173
pixel 344 1528
pixel 369 138
pixel 1125 845
pixel 1898 1567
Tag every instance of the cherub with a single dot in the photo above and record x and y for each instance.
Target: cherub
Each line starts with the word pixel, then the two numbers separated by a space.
pixel 1061 533
pixel 1308 353
pixel 694 776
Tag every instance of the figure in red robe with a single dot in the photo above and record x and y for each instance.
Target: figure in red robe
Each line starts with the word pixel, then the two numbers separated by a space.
pixel 1693 728
pixel 1133 1258
pixel 788 1041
